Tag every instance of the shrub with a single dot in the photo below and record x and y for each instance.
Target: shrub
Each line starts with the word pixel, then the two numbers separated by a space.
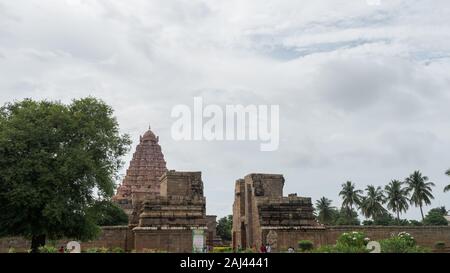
pixel 352 242
pixel 97 250
pixel 439 245
pixel 348 242
pixel 11 250
pixel 305 245
pixel 350 249
pixel 356 239
pixel 401 243
pixel 118 250
pixel 222 249
pixel 48 249
pixel 248 250
pixel 325 249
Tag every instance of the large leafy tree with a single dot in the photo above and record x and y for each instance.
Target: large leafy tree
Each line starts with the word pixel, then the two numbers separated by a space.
pixel 224 227
pixel 347 218
pixel 107 213
pixel 56 161
pixel 325 212
pixel 447 188
pixel 372 203
pixel 350 196
pixel 420 189
pixel 435 217
pixel 396 197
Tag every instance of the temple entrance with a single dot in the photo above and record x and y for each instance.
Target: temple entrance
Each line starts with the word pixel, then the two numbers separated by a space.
pixel 243 236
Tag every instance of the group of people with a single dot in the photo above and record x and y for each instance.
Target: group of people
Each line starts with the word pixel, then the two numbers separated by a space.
pixel 265 249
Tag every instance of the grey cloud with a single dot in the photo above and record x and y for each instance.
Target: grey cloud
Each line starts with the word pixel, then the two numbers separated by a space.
pixel 363 91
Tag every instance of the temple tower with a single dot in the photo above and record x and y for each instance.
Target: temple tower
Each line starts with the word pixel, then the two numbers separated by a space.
pixel 142 179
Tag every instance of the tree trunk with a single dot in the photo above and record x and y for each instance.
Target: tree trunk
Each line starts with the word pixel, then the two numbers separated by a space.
pixel 421 212
pixel 36 242
pixel 398 217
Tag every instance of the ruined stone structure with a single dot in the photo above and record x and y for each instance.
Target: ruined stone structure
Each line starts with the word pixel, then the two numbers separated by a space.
pixel 142 177
pixel 261 212
pixel 212 239
pixel 165 207
pixel 168 219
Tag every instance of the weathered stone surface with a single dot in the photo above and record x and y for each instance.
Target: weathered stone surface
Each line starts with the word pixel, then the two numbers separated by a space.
pixel 142 179
pixel 260 205
pixel 160 201
pixel 176 211
pixel 122 237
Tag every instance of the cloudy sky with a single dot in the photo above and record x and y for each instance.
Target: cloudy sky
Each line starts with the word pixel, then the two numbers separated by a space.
pixel 364 90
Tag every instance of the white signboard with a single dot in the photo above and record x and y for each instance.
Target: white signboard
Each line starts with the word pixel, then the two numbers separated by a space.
pixel 198 240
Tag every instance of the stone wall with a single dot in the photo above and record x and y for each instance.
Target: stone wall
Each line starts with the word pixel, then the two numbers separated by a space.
pixel 169 240
pixel 110 237
pixel 181 240
pixel 425 236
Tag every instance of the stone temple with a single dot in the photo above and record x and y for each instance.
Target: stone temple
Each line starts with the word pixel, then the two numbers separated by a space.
pixel 142 177
pixel 166 208
pixel 262 215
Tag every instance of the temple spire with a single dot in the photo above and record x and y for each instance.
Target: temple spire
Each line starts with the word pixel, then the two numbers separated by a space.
pixel 142 176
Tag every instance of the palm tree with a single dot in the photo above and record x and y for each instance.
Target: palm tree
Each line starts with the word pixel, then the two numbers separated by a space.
pixel 372 203
pixel 396 197
pixel 324 210
pixel 447 188
pixel 350 196
pixel 420 190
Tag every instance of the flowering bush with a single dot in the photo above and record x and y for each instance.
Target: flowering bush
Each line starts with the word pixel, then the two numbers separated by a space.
pixel 348 242
pixel 354 239
pixel 401 243
pixel 352 242
pixel 407 238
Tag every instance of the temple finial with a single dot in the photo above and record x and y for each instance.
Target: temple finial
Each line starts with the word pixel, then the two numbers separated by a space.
pixel 149 127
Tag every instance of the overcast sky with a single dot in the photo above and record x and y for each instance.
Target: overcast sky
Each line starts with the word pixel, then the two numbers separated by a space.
pixel 363 90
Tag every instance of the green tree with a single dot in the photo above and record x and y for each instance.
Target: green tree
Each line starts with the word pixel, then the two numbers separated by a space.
pixel 372 203
pixel 56 161
pixel 385 219
pixel 396 197
pixel 447 188
pixel 347 218
pixel 350 196
pixel 420 190
pixel 224 227
pixel 324 210
pixel 107 213
pixel 435 217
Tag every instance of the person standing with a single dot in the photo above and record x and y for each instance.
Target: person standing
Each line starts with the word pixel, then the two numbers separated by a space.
pixel 263 249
